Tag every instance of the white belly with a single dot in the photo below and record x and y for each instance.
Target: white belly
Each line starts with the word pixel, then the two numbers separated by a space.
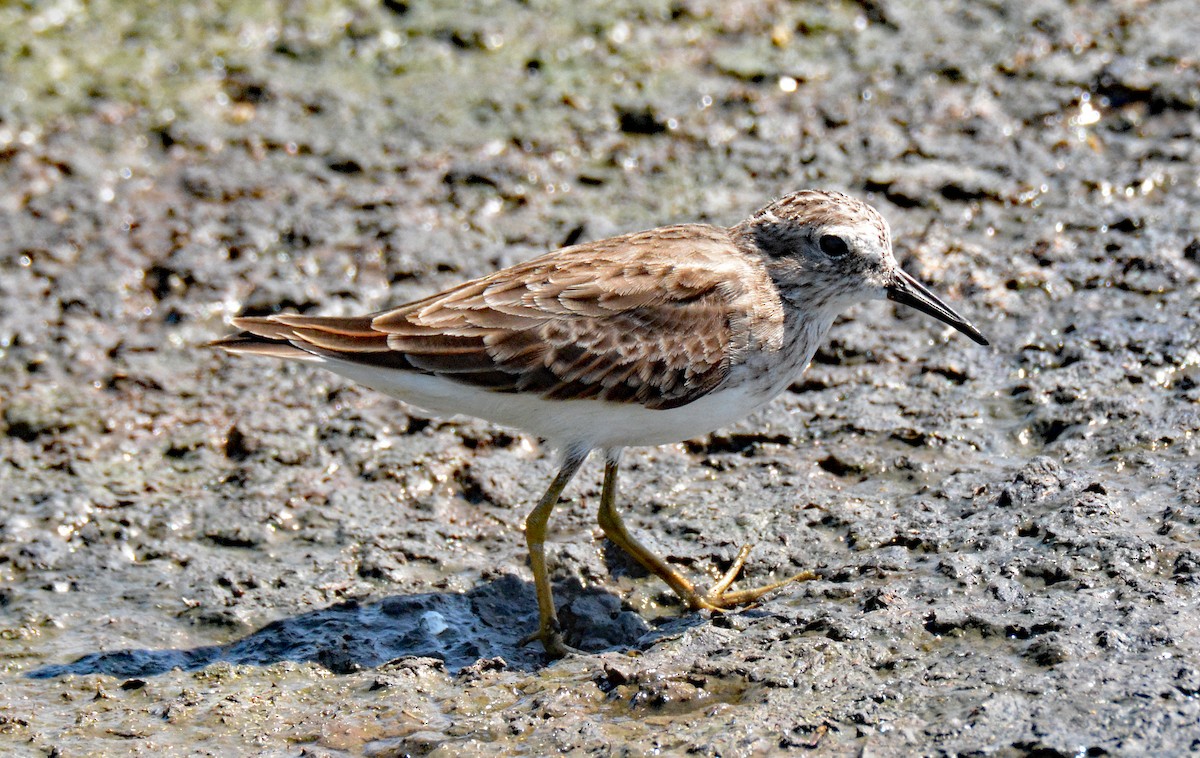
pixel 563 423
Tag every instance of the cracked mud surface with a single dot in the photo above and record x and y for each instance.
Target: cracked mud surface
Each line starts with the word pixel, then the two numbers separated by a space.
pixel 212 555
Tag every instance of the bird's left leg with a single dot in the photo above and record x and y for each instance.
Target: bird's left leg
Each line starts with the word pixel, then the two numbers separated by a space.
pixel 548 630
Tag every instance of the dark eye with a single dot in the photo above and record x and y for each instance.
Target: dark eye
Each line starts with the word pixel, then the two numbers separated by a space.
pixel 833 245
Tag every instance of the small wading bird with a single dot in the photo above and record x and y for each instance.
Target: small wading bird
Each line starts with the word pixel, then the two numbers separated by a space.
pixel 642 339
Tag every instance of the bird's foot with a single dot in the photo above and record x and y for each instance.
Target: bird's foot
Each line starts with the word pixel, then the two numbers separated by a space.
pixel 719 598
pixel 552 640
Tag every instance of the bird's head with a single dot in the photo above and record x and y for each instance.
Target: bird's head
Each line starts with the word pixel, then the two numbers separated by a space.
pixel 826 251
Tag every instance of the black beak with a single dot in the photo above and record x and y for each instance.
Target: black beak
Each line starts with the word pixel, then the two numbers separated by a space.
pixel 910 292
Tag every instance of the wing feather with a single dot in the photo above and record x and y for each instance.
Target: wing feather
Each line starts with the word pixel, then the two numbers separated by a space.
pixel 656 318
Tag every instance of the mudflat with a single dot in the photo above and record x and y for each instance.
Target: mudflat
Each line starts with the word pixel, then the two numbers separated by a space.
pixel 203 554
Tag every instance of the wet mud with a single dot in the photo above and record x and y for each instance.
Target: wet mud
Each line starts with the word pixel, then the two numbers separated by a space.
pixel 208 555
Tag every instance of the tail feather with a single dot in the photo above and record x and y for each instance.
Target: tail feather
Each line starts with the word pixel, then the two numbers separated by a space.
pixel 304 338
pixel 262 326
pixel 248 343
pixel 346 326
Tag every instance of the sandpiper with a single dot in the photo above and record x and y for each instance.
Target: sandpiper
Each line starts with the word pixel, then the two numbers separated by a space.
pixel 643 339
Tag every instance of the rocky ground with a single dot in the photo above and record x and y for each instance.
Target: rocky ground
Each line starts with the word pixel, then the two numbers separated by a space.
pixel 208 555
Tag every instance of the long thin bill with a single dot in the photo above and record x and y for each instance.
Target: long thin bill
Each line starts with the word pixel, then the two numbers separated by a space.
pixel 908 291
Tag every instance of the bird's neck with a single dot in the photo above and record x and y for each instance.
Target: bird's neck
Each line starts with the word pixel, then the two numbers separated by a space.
pixel 773 371
pixel 805 330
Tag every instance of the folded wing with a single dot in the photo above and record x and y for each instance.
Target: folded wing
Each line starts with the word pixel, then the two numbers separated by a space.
pixel 654 318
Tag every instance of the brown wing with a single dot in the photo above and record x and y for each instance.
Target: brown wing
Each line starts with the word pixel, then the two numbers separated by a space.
pixel 655 318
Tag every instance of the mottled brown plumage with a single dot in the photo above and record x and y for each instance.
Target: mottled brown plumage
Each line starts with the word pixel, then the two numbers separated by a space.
pixel 655 318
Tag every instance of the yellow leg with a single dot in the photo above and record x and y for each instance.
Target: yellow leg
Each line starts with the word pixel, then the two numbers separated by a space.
pixel 718 597
pixel 535 537
pixel 614 529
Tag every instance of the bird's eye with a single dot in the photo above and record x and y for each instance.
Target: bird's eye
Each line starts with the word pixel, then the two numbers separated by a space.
pixel 833 245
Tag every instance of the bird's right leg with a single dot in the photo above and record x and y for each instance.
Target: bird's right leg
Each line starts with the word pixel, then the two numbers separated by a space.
pixel 535 537
pixel 614 529
pixel 718 597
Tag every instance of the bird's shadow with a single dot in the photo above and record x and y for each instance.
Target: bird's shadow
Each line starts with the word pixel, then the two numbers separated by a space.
pixel 489 621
